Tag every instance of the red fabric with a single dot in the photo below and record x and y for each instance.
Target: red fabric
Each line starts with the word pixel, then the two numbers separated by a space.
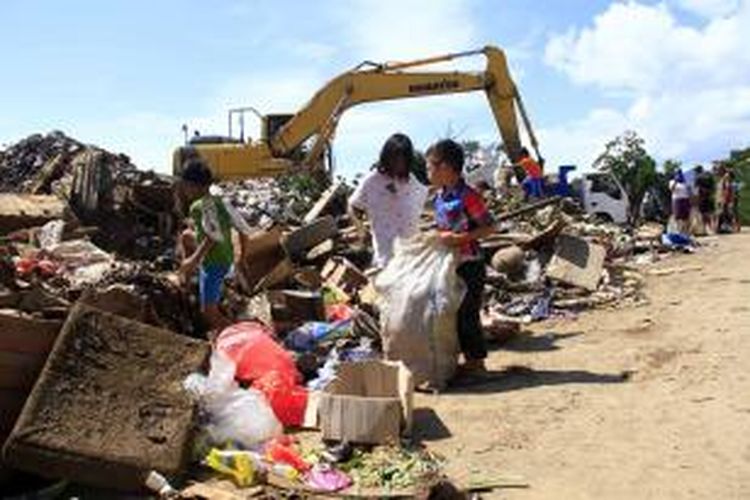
pixel 476 208
pixel 531 167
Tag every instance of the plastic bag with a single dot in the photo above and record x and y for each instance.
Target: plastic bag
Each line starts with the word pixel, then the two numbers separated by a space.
pixel 51 234
pixel 307 336
pixel 241 466
pixel 236 414
pixel 339 312
pixel 420 294
pixel 287 399
pixel 282 450
pixel 323 477
pixel 251 346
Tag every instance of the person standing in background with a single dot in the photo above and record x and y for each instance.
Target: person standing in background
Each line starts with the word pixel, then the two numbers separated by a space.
pixel 533 184
pixel 680 202
pixel 705 185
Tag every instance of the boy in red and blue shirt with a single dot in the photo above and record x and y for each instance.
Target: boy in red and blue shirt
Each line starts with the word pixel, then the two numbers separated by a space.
pixel 462 218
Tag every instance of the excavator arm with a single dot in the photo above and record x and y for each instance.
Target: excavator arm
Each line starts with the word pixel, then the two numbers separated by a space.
pixel 386 82
pixel 370 82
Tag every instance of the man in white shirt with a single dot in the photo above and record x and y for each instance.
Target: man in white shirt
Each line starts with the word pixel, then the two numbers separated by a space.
pixel 391 197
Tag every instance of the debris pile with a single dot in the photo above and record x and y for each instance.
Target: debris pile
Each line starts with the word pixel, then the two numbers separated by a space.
pixel 308 346
pixel 35 164
pixel 555 260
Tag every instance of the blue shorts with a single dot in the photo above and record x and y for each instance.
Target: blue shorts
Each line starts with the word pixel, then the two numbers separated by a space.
pixel 210 283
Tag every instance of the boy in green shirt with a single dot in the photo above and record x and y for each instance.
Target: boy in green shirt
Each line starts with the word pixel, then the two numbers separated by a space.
pixel 213 220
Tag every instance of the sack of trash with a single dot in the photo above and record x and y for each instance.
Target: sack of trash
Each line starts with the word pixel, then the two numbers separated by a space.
pixel 252 347
pixel 234 414
pixel 420 294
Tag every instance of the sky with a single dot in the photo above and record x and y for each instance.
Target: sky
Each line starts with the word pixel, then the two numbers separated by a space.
pixel 126 75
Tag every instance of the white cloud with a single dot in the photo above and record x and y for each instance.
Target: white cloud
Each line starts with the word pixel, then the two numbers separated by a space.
pixel 363 130
pixel 379 31
pixel 387 30
pixel 710 8
pixel 689 88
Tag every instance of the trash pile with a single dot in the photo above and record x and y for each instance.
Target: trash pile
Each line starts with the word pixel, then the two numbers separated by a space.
pixel 553 260
pixel 45 164
pixel 319 341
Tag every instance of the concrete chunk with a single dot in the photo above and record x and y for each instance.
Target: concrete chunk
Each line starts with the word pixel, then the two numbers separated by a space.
pixel 577 262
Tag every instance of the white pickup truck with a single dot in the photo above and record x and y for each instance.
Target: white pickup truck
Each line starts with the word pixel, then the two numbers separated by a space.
pixel 602 195
pixel 599 193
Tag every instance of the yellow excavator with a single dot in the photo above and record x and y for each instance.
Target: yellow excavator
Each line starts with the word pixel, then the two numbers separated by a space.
pixel 290 142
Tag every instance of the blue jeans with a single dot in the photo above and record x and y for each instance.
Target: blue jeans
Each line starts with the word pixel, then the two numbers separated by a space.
pixel 534 188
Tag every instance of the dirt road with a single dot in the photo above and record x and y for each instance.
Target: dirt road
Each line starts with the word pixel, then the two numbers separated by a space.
pixel 646 402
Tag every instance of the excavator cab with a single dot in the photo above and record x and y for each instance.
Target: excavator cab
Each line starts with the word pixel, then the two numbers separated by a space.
pixel 272 124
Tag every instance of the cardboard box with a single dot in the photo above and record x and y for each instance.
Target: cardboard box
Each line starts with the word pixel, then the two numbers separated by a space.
pixel 369 402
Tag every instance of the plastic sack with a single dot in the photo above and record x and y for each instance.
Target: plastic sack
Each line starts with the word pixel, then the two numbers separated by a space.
pixel 307 336
pixel 251 346
pixel 242 467
pixel 282 450
pixel 235 414
pixel 51 234
pixel 420 294
pixel 325 478
pixel 339 312
pixel 287 399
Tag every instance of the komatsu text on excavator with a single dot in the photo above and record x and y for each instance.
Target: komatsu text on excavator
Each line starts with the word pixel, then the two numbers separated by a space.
pixel 301 140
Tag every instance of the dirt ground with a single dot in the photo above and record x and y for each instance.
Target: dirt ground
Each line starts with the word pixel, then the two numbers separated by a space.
pixel 646 402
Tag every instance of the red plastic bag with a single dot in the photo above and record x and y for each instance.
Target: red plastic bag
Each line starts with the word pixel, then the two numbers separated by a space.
pixel 339 312
pixel 287 399
pixel 251 346
pixel 281 450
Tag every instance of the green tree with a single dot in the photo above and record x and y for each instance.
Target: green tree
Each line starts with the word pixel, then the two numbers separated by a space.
pixel 669 167
pixel 626 158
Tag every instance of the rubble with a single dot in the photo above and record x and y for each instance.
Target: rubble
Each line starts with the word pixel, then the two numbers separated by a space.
pixel 577 262
pixel 36 164
pixel 104 410
pixel 304 275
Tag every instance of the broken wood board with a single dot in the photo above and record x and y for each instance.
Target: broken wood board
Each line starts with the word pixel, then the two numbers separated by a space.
pixel 19 211
pixel 577 262
pixel 109 405
pixel 337 190
pixel 263 253
pixel 674 270
pixel 309 236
